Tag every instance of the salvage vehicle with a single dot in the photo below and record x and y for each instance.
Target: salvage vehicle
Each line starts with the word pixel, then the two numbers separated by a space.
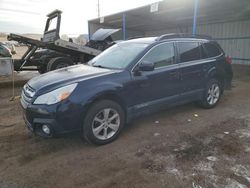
pixel 4 50
pixel 52 52
pixel 127 80
pixel 10 46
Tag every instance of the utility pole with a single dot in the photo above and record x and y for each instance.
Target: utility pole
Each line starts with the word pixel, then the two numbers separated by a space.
pixel 98 8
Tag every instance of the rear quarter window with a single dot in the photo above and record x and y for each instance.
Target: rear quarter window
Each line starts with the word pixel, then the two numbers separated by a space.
pixel 211 49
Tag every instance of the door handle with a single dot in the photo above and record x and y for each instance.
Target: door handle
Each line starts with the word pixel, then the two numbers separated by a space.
pixel 174 73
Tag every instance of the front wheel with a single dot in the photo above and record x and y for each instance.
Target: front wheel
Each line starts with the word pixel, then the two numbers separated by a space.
pixel 212 94
pixel 103 122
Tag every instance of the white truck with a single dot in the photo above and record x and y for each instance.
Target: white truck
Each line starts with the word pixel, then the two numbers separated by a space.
pixel 51 52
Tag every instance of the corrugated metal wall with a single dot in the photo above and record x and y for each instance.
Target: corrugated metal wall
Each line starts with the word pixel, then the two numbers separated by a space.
pixel 234 37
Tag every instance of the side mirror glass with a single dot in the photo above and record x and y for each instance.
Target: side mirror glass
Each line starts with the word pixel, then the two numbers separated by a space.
pixel 146 66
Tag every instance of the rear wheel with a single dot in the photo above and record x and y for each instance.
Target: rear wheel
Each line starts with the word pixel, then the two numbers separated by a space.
pixel 103 122
pixel 212 94
pixel 58 62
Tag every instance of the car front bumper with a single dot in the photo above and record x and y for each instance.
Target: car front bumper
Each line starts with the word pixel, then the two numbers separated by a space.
pixel 61 118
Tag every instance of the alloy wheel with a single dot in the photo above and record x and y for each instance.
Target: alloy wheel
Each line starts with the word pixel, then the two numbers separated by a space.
pixel 106 123
pixel 213 94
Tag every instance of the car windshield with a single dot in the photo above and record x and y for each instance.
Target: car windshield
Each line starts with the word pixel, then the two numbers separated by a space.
pixel 118 56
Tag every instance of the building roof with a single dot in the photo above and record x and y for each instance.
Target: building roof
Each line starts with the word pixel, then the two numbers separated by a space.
pixel 176 13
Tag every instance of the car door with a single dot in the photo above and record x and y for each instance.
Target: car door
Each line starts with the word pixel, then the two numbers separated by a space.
pixel 191 68
pixel 160 86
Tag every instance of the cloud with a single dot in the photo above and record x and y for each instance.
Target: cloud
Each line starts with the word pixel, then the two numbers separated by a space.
pixel 19 11
pixel 30 15
pixel 15 27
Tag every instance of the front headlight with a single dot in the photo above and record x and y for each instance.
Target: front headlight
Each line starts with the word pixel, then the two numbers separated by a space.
pixel 56 95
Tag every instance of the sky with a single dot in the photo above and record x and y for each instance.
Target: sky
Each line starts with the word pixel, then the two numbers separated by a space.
pixel 29 16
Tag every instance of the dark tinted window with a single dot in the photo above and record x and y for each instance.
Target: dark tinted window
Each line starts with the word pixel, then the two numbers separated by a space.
pixel 189 51
pixel 211 49
pixel 203 53
pixel 161 55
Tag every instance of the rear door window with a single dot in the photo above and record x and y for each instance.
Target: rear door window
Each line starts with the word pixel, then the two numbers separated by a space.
pixel 211 49
pixel 189 51
pixel 203 52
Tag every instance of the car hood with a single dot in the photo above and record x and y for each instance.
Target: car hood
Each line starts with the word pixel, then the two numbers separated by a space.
pixel 102 34
pixel 68 75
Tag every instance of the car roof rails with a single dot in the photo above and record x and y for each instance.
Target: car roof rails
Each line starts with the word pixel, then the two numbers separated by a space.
pixel 135 37
pixel 182 35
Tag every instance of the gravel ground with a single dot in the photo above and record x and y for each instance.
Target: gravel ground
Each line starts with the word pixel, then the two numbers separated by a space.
pixel 183 146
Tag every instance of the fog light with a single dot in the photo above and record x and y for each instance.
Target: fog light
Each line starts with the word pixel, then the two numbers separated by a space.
pixel 46 129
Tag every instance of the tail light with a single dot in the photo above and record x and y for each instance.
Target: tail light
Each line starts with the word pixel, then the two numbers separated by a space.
pixel 229 60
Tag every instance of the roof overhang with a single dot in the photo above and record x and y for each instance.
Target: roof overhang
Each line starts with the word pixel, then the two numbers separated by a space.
pixel 177 13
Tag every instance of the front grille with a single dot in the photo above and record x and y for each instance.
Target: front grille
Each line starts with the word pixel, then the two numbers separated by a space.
pixel 27 95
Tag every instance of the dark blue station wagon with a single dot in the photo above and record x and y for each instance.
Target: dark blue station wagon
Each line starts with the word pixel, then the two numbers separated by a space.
pixel 129 79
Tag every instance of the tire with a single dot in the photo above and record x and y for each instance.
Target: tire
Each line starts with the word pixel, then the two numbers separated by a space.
pixel 42 69
pixel 212 94
pixel 98 129
pixel 58 62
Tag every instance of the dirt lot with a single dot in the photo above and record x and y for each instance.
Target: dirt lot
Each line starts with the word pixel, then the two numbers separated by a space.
pixel 180 147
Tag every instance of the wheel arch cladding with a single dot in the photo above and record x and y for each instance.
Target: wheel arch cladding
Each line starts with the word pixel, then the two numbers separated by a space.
pixel 108 95
pixel 213 73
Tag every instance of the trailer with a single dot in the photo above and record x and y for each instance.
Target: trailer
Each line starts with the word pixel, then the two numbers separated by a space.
pixel 52 52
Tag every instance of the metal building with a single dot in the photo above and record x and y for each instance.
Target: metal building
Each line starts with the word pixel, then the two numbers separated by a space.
pixel 228 21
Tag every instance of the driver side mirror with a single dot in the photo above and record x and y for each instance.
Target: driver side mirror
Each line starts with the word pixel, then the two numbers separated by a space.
pixel 146 66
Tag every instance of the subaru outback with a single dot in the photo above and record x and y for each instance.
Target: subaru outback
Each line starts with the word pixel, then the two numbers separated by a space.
pixel 127 80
